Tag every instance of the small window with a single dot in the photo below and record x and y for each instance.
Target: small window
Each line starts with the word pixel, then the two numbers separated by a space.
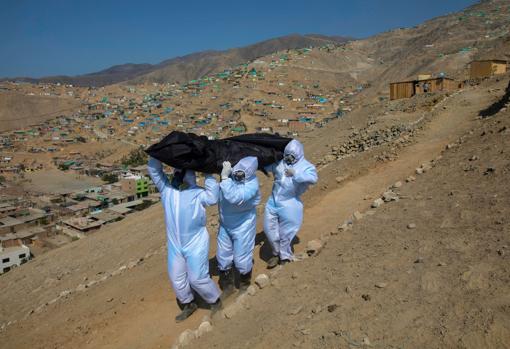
pixel 6 260
pixel 23 255
pixel 6 269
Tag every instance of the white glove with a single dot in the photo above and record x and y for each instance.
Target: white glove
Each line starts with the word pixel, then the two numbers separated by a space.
pixel 226 170
pixel 290 172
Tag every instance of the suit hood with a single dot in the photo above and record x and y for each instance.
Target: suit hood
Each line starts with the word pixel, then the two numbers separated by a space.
pixel 248 165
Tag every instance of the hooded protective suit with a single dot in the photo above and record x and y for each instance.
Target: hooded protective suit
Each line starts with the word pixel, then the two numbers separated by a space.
pixel 238 217
pixel 187 236
pixel 283 214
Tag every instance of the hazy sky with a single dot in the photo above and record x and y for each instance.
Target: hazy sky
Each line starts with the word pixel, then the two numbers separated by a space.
pixel 40 38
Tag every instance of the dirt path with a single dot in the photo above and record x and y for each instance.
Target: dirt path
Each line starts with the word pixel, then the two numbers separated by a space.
pixel 338 205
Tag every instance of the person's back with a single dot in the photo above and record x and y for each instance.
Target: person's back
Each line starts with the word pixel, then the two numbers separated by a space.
pixel 187 238
pixel 184 212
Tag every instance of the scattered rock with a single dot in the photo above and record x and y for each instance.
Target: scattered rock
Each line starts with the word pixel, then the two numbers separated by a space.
pixel 357 216
pixel 340 179
pixel 441 264
pixel 305 331
pixel 294 275
pixel 81 287
pixel 419 260
pixel 381 284
pixel 296 310
pixel 252 290
pixel 419 171
pixel 186 337
pixel 230 311
pixel 411 226
pixel 332 307
pixel 300 256
pixel 489 170
pixel 204 328
pixel 410 179
pixel 262 280
pixel 365 341
pixel 377 203
pixel 109 300
pixel 390 196
pixel 397 185
pixel 313 247
pixel 345 226
pixel 366 297
pixel 348 289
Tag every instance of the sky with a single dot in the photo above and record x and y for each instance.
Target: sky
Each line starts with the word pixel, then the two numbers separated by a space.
pixel 70 37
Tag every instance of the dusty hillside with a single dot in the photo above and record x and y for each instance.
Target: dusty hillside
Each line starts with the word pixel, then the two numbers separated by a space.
pixel 427 271
pixel 18 111
pixel 122 289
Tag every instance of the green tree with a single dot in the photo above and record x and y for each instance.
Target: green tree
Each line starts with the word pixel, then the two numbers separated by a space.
pixel 136 157
pixel 110 178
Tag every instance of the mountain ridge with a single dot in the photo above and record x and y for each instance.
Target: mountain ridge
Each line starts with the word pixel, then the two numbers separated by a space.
pixel 187 67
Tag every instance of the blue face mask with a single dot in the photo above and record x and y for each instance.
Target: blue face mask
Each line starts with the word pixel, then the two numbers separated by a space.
pixel 238 176
pixel 289 159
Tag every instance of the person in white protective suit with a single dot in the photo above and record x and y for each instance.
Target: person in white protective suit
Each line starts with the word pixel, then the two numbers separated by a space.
pixel 239 197
pixel 184 204
pixel 283 214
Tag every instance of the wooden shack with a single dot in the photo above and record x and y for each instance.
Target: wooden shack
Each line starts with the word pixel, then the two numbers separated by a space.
pixel 487 68
pixel 403 89
pixel 407 89
pixel 436 85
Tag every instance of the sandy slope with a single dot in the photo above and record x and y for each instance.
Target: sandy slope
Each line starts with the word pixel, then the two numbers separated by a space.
pixel 18 111
pixel 135 307
pixel 443 284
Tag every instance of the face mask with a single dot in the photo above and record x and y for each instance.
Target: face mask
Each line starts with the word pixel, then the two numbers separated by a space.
pixel 238 176
pixel 289 159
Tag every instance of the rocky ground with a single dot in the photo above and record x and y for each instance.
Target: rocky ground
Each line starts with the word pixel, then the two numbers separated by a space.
pixel 426 269
pixel 120 297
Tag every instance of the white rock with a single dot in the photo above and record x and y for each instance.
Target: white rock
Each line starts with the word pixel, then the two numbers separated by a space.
pixel 377 203
pixel 357 216
pixel 252 290
pixel 230 311
pixel 313 247
pixel 186 337
pixel 397 184
pixel 411 226
pixel 204 328
pixel 390 196
pixel 262 280
pixel 419 171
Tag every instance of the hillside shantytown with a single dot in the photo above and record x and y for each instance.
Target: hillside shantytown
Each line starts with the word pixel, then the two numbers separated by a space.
pixel 405 236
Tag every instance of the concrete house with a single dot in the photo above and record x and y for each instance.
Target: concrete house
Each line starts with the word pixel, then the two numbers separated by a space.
pixel 13 256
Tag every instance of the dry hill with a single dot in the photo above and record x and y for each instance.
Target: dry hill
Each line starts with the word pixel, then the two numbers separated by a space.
pixel 20 110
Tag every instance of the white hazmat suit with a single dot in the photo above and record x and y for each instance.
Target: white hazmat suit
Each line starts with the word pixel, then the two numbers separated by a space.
pixel 187 236
pixel 283 214
pixel 238 218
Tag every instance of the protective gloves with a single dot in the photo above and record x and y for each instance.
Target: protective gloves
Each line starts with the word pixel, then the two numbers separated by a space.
pixel 290 172
pixel 226 170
